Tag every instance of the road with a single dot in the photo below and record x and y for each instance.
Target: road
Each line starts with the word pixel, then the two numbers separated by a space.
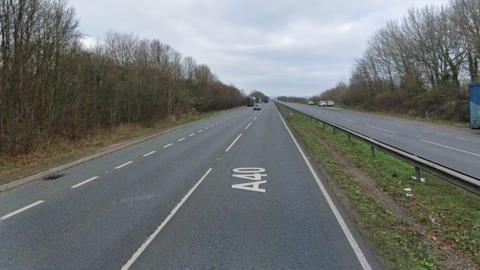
pixel 230 192
pixel 453 147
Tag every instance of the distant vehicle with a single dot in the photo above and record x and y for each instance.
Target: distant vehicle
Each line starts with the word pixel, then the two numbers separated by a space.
pixel 311 103
pixel 250 101
pixel 474 92
pixel 322 103
pixel 257 107
pixel 330 103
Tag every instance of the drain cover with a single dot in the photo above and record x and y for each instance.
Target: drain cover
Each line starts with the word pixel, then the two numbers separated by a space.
pixel 53 177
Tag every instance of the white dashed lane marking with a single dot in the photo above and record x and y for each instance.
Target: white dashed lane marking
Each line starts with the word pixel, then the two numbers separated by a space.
pixel 233 143
pixel 150 239
pixel 451 148
pixel 25 208
pixel 84 182
pixel 383 130
pixel 149 153
pixel 124 164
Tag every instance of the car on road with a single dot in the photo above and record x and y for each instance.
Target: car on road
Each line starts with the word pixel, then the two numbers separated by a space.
pixel 330 103
pixel 311 103
pixel 257 107
pixel 322 103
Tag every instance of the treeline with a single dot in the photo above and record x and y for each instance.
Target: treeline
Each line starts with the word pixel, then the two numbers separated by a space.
pixel 52 87
pixel 292 99
pixel 260 96
pixel 420 64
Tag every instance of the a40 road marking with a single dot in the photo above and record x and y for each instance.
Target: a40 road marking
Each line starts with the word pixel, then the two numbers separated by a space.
pixel 254 175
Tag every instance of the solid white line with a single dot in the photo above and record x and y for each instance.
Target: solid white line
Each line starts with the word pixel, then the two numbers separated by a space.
pixel 451 148
pixel 191 135
pixel 181 139
pixel 21 210
pixel 231 145
pixel 249 124
pixel 149 240
pixel 84 182
pixel 353 243
pixel 124 164
pixel 168 145
pixel 150 153
pixel 381 129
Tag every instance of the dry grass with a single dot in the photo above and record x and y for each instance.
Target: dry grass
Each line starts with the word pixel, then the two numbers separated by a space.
pixel 62 151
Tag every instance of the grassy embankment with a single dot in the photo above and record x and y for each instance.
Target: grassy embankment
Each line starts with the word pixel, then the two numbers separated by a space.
pixel 62 151
pixel 433 226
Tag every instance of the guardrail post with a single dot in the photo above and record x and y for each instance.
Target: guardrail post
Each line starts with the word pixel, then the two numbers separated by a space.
pixel 349 138
pixel 323 125
pixel 372 148
pixel 334 130
pixel 417 176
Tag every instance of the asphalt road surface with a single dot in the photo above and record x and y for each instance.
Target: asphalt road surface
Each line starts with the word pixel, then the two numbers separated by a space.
pixel 454 147
pixel 230 192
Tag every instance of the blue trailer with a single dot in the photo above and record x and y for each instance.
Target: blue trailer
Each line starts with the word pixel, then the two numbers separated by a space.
pixel 474 92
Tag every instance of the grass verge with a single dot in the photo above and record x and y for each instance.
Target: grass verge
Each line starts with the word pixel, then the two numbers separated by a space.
pixel 410 225
pixel 63 151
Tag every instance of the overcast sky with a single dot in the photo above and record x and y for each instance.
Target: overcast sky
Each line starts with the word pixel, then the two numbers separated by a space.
pixel 282 47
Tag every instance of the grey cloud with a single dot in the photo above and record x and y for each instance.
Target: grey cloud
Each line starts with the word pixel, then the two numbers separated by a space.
pixel 285 47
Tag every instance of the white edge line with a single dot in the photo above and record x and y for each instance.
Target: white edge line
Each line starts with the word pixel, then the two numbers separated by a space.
pixel 149 153
pixel 124 164
pixel 181 139
pixel 21 210
pixel 231 145
pixel 84 182
pixel 353 243
pixel 451 148
pixel 149 240
pixel 168 145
